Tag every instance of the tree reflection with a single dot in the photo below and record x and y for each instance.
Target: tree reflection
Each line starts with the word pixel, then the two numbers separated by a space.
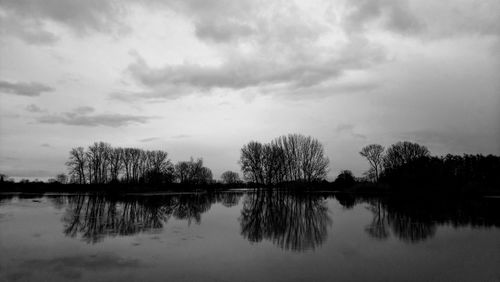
pixel 296 222
pixel 96 217
pixel 378 227
pixel 416 220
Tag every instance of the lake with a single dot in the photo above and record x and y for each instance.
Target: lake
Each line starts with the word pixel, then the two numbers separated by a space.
pixel 247 236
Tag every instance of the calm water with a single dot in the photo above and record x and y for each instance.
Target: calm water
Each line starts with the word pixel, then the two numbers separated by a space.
pixel 238 236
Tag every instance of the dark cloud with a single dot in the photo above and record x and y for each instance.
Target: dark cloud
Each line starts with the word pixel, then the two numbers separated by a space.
pixel 425 19
pixel 396 15
pixel 30 32
pixel 46 145
pixel 301 70
pixel 217 20
pixel 152 94
pixel 81 117
pixel 23 88
pixel 80 16
pixel 226 21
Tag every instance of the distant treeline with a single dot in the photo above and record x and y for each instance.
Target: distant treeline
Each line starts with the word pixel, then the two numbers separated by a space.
pixel 406 166
pixel 290 161
pixel 101 163
pixel 293 158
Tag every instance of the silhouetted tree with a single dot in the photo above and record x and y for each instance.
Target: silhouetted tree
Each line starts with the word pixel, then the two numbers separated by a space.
pixel 402 153
pixel 115 163
pixel 230 177
pixel 303 158
pixel 251 161
pixel 374 153
pixel 291 158
pixel 101 163
pixel 345 179
pixel 193 172
pixel 97 159
pixel 77 164
pixel 159 168
pixel 62 178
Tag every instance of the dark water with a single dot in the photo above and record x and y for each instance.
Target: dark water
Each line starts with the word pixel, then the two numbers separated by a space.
pixel 238 236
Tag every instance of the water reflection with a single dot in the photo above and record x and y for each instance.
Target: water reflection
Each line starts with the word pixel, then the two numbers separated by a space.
pixel 416 220
pixel 291 221
pixel 96 217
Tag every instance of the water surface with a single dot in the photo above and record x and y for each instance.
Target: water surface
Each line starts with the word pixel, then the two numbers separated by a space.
pixel 247 236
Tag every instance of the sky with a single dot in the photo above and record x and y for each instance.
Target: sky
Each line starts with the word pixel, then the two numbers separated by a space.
pixel 202 78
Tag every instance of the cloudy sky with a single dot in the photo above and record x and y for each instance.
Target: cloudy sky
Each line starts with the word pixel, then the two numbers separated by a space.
pixel 201 78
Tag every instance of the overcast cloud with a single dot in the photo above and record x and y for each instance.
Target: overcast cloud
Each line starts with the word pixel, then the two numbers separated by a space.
pixel 24 88
pixel 201 78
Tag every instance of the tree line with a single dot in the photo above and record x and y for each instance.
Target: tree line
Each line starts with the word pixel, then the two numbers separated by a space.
pixel 101 163
pixel 288 159
pixel 410 164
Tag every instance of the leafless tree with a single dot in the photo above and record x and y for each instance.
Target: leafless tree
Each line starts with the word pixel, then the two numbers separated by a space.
pixel 115 163
pixel 230 177
pixel 293 157
pixel 77 163
pixel 101 163
pixel 374 153
pixel 314 163
pixel 127 163
pixel 193 172
pixel 251 160
pixel 98 162
pixel 402 153
pixel 182 171
pixel 158 166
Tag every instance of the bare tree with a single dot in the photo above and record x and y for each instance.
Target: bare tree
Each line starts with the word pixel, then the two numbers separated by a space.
pixel 159 167
pixel 314 164
pixel 127 163
pixel 115 163
pixel 251 161
pixel 193 172
pixel 204 176
pixel 101 163
pixel 402 153
pixel 182 171
pixel 293 157
pixel 230 177
pixel 135 159
pixel 77 163
pixel 98 161
pixel 374 153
